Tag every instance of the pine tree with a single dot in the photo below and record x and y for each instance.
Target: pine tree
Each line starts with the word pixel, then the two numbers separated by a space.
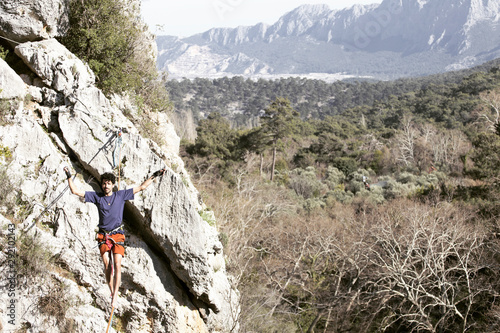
pixel 278 122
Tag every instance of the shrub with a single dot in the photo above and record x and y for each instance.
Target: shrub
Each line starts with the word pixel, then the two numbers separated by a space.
pixel 281 165
pixel 7 110
pixel 34 260
pixel 312 204
pixel 150 129
pixel 104 34
pixel 208 216
pixel 55 302
pixel 109 37
pixel 406 177
pixel 345 164
pixel 393 189
pixel 339 195
pixel 375 195
pixel 305 182
pixel 334 177
pixel 8 199
pixel 3 53
pixel 356 184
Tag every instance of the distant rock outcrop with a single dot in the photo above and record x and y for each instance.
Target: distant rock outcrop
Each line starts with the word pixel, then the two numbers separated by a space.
pixel 174 277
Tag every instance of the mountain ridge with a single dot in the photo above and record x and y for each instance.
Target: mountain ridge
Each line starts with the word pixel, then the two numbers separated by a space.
pixel 391 40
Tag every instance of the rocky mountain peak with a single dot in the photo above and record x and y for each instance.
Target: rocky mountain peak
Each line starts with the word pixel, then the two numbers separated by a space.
pixel 307 12
pixel 484 10
pixel 299 20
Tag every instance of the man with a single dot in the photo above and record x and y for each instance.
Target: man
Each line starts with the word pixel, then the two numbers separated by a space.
pixel 111 236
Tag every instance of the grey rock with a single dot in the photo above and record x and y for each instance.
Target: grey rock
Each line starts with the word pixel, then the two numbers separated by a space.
pixel 36 94
pixel 11 84
pixel 56 65
pixel 28 20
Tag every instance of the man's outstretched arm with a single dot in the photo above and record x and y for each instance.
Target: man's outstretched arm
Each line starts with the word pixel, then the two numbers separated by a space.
pixel 72 185
pixel 148 181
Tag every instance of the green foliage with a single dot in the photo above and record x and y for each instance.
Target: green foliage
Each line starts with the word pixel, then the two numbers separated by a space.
pixel 406 177
pixel 5 153
pixel 3 52
pixel 305 183
pixel 377 161
pixel 282 165
pixel 334 177
pixel 9 198
pixel 208 216
pixel 216 139
pixel 313 204
pixel 253 140
pixel 278 120
pixel 345 164
pixel 34 260
pixel 107 35
pixel 479 81
pixel 361 137
pixel 7 109
pixel 150 129
pixel 446 97
pixel 365 136
pixel 486 158
pixel 339 194
pixel 152 95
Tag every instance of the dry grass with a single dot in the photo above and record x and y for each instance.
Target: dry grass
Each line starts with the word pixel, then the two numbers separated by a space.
pixel 55 303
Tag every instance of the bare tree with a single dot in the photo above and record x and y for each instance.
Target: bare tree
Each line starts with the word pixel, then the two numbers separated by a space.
pixel 427 266
pixel 489 113
pixel 406 142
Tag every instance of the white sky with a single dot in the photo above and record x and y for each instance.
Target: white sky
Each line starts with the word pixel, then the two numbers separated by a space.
pixel 187 17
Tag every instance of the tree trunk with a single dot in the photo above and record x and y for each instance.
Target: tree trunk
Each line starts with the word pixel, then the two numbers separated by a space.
pixel 274 162
pixel 261 163
pixel 315 321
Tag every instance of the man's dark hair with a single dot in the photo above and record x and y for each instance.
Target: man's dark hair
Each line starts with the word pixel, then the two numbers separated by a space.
pixel 108 176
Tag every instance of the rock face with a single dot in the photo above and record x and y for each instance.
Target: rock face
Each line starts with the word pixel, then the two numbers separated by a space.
pixel 12 86
pixel 173 277
pixel 56 66
pixel 28 20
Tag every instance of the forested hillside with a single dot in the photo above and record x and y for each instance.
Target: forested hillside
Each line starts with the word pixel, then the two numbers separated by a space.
pixel 242 100
pixel 354 207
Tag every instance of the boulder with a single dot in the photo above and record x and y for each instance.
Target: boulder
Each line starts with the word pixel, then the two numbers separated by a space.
pixel 56 65
pixel 27 20
pixel 11 84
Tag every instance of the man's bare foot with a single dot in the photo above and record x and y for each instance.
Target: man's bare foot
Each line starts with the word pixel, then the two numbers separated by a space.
pixel 114 301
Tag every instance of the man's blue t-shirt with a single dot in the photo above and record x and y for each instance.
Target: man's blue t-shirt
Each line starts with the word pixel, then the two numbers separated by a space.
pixel 110 208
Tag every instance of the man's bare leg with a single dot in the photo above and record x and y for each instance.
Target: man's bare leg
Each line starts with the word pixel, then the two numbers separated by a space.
pixel 108 271
pixel 117 277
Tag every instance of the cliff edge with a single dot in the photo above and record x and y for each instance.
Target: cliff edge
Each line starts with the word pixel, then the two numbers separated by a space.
pixel 173 276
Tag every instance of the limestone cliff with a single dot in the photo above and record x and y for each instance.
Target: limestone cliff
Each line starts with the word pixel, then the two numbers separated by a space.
pixel 174 277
